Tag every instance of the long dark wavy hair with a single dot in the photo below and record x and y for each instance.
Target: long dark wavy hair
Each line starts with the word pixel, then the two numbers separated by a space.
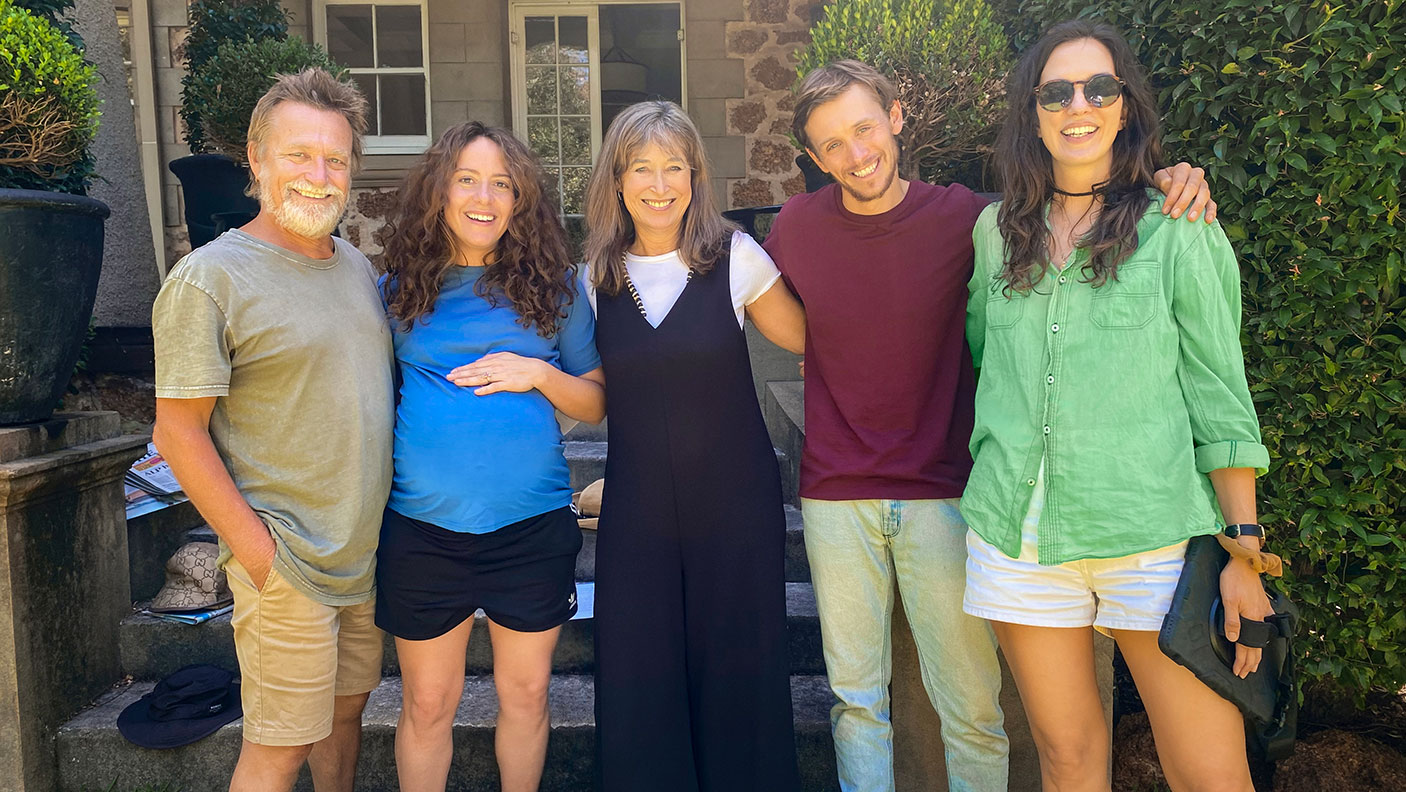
pixel 704 235
pixel 531 266
pixel 1024 167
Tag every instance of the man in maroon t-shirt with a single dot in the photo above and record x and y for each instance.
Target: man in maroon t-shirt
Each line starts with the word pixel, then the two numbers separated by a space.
pixel 882 266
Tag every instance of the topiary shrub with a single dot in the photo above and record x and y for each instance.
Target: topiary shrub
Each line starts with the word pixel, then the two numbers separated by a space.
pixel 214 23
pixel 229 84
pixel 949 67
pixel 1296 112
pixel 48 106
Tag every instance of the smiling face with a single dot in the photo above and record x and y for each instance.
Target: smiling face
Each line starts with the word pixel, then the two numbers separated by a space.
pixel 853 138
pixel 303 169
pixel 657 187
pixel 1080 137
pixel 478 201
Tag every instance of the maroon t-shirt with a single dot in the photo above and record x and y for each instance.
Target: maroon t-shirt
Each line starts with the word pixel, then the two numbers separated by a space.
pixel 889 381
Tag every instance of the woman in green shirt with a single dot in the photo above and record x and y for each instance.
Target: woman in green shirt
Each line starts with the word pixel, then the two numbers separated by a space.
pixel 1113 420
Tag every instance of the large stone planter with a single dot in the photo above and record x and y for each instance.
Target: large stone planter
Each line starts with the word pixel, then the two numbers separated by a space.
pixel 51 252
pixel 213 186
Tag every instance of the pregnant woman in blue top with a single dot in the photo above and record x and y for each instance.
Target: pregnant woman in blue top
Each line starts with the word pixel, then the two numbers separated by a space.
pixel 490 341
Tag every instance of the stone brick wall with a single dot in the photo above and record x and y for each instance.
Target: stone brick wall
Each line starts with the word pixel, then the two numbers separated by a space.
pixel 767 40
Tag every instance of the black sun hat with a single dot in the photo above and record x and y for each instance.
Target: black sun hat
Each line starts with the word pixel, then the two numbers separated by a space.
pixel 187 706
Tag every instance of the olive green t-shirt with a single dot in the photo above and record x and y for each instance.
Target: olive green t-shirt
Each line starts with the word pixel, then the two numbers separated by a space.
pixel 297 351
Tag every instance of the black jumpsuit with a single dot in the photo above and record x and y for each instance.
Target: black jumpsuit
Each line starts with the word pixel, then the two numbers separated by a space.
pixel 692 685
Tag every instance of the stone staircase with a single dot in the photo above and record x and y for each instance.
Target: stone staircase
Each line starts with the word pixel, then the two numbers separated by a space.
pixel 92 755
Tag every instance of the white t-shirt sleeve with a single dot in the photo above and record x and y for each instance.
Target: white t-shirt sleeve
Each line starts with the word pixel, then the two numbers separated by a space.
pixel 752 272
pixel 587 286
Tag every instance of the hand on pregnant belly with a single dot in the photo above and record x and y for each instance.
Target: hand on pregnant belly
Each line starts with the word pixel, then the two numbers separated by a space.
pixel 500 371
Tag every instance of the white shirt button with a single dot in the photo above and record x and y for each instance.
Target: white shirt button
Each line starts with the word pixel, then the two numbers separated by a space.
pixel 1054 328
pixel 1050 379
pixel 1030 482
pixel 1047 430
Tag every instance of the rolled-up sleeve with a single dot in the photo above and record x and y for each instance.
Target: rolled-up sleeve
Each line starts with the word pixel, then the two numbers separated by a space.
pixel 1211 368
pixel 192 341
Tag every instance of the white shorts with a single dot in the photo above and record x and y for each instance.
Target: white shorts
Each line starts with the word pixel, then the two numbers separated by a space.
pixel 1129 593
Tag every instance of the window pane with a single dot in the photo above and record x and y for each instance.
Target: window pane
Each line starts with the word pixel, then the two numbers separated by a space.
pixel 349 35
pixel 367 84
pixel 576 140
pixel 541 90
pixel 574 46
pixel 553 196
pixel 403 100
pixel 542 137
pixel 573 186
pixel 575 90
pixel 541 39
pixel 398 36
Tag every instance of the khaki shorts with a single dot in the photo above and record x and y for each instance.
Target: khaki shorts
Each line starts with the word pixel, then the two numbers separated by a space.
pixel 296 656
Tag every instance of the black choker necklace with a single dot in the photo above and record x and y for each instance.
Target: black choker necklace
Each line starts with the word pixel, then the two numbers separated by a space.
pixel 1098 188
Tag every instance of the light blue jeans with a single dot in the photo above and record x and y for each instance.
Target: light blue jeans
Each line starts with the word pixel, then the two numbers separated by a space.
pixel 857 549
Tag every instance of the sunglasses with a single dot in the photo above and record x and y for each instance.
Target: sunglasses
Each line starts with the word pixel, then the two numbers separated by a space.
pixel 1100 90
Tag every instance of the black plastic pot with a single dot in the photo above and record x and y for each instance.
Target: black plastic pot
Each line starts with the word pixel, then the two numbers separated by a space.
pixel 51 253
pixel 213 184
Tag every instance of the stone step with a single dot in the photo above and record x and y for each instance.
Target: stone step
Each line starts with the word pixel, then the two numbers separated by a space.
pixel 152 648
pixel 586 459
pixel 93 755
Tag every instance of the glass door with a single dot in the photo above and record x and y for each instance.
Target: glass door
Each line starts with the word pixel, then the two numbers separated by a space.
pixel 556 61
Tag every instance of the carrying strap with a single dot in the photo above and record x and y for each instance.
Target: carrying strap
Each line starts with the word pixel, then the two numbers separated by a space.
pixel 1259 560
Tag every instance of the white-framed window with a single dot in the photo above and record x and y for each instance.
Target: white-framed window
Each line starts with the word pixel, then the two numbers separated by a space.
pixel 576 64
pixel 385 46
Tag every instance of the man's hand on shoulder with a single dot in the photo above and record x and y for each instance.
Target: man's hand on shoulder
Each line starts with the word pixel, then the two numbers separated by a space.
pixel 1185 187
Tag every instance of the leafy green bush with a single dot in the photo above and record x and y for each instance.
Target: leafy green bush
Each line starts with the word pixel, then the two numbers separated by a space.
pixel 48 106
pixel 214 23
pixel 1296 112
pixel 949 66
pixel 229 84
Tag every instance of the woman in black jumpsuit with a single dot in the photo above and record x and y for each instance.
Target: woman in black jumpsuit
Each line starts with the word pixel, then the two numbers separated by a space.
pixel 692 678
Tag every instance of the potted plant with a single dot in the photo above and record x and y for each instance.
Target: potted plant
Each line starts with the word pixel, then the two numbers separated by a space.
pixel 949 65
pixel 216 90
pixel 52 239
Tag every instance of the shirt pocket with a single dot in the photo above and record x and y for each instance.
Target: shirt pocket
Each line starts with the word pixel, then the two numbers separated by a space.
pixel 1130 301
pixel 1003 313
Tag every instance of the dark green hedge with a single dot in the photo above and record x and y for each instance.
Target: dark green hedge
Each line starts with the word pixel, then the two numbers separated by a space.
pixel 1295 109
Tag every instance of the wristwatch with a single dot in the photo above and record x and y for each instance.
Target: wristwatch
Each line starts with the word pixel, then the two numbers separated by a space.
pixel 1238 530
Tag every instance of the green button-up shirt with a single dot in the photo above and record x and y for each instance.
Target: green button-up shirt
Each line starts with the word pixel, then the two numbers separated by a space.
pixel 1128 394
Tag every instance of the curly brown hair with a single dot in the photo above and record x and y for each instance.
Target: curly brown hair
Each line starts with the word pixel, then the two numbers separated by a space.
pixel 531 265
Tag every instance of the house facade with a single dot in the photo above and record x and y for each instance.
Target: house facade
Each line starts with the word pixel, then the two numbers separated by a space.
pixel 554 72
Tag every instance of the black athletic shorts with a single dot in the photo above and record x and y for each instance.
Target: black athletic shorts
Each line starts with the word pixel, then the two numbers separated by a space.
pixel 430 579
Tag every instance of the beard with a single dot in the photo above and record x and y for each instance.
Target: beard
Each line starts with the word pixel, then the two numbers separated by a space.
pixel 301 216
pixel 878 191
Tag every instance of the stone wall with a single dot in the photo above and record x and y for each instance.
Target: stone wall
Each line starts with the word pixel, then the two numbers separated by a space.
pixel 767 40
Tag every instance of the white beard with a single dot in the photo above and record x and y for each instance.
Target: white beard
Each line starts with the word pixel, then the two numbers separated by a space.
pixel 298 215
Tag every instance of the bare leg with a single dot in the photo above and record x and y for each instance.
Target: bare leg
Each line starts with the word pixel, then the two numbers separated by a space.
pixel 333 758
pixel 522 670
pixel 432 679
pixel 268 768
pixel 1054 670
pixel 1200 736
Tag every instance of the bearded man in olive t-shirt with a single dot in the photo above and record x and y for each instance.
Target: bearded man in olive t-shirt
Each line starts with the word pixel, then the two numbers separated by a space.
pixel 274 409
